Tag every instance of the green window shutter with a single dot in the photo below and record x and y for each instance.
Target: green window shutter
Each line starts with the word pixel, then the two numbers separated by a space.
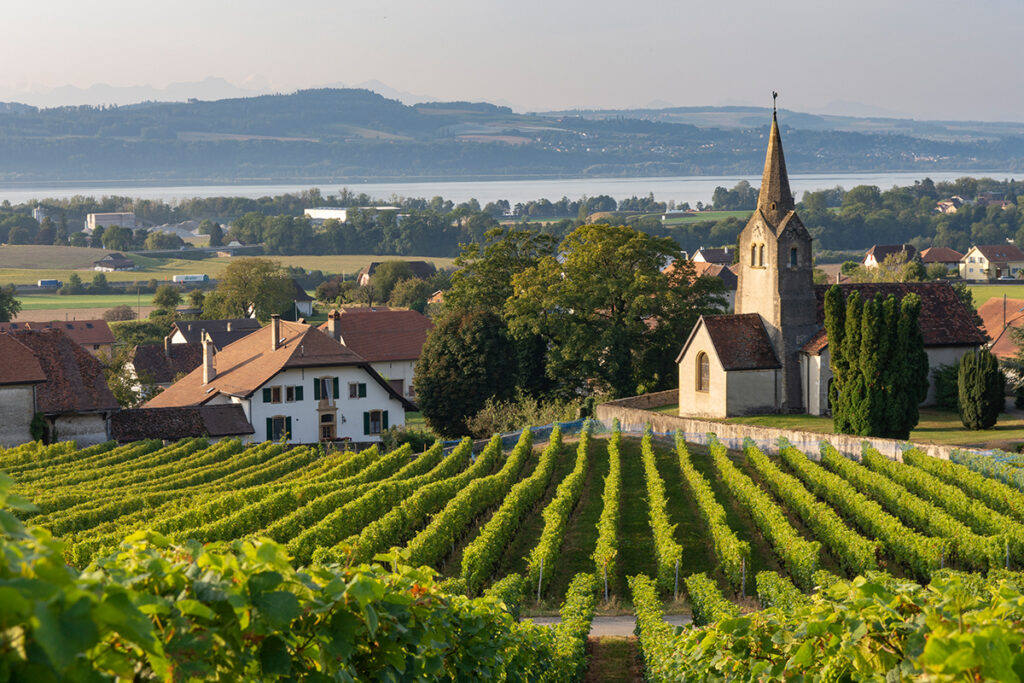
pixel 384 420
pixel 337 392
pixel 366 423
pixel 298 393
pixel 362 390
pixel 270 428
pixel 266 395
pixel 316 388
pixel 288 427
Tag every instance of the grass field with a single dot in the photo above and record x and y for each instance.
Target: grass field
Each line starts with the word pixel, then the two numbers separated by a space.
pixel 52 302
pixel 26 264
pixel 935 426
pixel 983 293
pixel 704 216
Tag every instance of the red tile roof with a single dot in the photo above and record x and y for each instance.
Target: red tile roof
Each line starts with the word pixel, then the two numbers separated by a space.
pixel 84 332
pixel 991 313
pixel 1000 252
pixel 179 423
pixel 382 334
pixel 724 273
pixel 741 341
pixel 944 319
pixel 19 364
pixel 940 255
pixel 74 378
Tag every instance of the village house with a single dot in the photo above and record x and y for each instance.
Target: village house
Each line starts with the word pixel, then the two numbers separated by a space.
pixel 72 398
pixel 292 381
pixel 161 364
pixel 92 335
pixel 20 374
pixel 944 255
pixel 988 262
pixel 222 332
pixel 877 254
pixel 390 339
pixel 771 356
pixel 302 302
pixel 722 257
pixel 420 269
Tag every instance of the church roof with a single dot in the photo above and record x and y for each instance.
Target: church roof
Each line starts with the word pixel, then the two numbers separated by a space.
pixel 944 319
pixel 740 341
pixel 775 199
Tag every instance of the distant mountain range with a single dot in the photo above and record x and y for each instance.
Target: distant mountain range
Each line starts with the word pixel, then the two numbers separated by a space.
pixel 342 134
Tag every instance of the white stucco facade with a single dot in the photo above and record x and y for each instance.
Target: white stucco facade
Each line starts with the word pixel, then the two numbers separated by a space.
pixel 17 406
pixel 361 410
pixel 692 400
pixel 399 373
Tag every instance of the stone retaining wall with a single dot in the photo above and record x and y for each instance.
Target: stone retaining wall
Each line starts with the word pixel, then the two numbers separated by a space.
pixel 634 419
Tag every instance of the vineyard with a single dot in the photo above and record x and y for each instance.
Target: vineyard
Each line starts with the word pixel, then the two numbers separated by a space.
pixel 199 560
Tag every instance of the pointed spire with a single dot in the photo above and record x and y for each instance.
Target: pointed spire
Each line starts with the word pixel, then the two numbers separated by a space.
pixel 775 199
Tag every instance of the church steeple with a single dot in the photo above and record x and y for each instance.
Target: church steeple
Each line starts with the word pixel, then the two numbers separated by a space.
pixel 775 199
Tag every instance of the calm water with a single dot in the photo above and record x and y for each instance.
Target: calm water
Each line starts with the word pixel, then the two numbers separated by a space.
pixel 681 189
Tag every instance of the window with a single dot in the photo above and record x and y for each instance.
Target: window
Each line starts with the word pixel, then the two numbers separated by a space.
pixel 325 387
pixel 753 254
pixel 357 390
pixel 398 385
pixel 792 257
pixel 272 394
pixel 327 428
pixel 375 421
pixel 278 427
pixel 760 255
pixel 293 393
pixel 703 372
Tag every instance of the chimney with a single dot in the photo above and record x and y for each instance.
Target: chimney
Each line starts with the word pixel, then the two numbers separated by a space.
pixel 208 372
pixel 275 332
pixel 167 346
pixel 334 325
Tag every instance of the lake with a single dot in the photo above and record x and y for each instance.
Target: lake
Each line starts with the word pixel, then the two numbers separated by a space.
pixel 690 189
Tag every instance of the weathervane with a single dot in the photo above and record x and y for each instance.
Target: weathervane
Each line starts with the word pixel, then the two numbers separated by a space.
pixel 775 96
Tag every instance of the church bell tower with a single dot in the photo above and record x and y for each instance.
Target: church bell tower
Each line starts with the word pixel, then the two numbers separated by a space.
pixel 775 276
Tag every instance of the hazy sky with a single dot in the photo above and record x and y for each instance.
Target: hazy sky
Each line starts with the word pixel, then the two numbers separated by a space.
pixel 920 58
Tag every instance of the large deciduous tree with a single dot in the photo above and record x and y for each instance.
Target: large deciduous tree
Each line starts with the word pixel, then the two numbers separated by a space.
pixel 612 319
pixel 247 286
pixel 879 366
pixel 9 305
pixel 465 361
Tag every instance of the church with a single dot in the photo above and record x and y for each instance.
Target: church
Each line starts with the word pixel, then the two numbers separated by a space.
pixel 771 355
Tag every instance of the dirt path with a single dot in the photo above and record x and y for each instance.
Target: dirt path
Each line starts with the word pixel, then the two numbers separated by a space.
pixel 614 626
pixel 613 659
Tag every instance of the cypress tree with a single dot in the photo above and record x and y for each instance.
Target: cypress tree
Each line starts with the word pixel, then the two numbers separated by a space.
pixel 879 365
pixel 835 327
pixel 981 385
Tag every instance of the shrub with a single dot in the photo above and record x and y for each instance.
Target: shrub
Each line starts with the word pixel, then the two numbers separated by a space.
pixel 981 388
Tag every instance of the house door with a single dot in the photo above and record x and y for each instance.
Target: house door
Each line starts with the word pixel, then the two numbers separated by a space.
pixel 328 427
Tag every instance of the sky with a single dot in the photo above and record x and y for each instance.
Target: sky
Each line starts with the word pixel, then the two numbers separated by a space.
pixel 924 59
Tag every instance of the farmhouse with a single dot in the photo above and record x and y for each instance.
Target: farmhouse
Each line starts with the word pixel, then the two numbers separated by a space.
pixel 292 381
pixel 772 355
pixel 113 262
pixel 73 397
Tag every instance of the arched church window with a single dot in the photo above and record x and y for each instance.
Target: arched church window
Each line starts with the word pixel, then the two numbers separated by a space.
pixel 753 254
pixel 760 255
pixel 703 372
pixel 792 257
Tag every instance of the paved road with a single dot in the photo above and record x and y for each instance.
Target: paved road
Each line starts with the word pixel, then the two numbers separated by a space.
pixel 614 626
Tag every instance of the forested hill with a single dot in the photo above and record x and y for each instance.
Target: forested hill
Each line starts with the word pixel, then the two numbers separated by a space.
pixel 350 134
